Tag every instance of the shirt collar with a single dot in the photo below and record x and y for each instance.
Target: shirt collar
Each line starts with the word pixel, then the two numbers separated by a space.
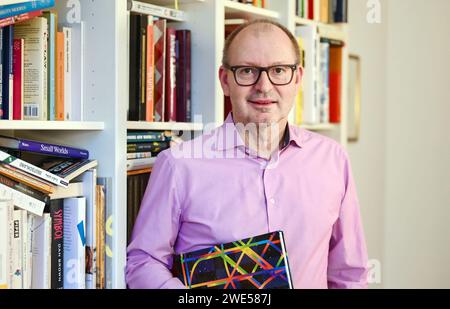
pixel 227 136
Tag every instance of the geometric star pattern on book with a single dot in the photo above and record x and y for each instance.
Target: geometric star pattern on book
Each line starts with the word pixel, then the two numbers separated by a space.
pixel 255 263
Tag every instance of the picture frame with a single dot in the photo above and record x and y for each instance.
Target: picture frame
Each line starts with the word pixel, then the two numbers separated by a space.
pixel 354 97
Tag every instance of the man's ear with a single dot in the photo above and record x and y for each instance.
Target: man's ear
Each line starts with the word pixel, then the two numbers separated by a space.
pixel 298 76
pixel 223 77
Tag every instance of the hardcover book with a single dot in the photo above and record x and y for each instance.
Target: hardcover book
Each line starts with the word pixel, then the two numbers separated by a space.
pixel 258 262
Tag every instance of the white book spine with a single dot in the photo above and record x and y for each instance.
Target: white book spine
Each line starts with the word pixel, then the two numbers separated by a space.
pixel 17 269
pixel 22 200
pixel 29 252
pixel 6 216
pixel 74 243
pixel 310 99
pixel 41 257
pixel 135 164
pixel 24 246
pixel 155 10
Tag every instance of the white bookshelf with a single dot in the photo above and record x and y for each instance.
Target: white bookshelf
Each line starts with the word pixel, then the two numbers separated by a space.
pixel 52 125
pixel 106 88
pixel 240 10
pixel 169 126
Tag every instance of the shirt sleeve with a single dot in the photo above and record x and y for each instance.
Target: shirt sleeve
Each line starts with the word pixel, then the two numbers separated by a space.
pixel 150 252
pixel 347 259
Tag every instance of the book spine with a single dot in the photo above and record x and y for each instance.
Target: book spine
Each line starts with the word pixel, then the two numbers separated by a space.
pixel 21 200
pixel 154 10
pixel 16 257
pixel 53 150
pixel 17 9
pixel 67 73
pixel 6 216
pixel 145 137
pixel 19 18
pixel 32 169
pixel 170 83
pixel 26 179
pixel 59 75
pixel 143 68
pixel 1 73
pixel 23 188
pixel 159 36
pixel 146 147
pixel 74 242
pixel 18 79
pixel 8 77
pixel 150 71
pixel 57 259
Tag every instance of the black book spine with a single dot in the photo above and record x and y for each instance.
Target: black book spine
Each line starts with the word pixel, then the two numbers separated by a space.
pixel 135 61
pixel 57 258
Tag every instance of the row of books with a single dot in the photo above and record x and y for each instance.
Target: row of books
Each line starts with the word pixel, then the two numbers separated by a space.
pixel 143 147
pixel 55 216
pixel 319 99
pixel 325 11
pixel 41 66
pixel 160 71
pixel 136 186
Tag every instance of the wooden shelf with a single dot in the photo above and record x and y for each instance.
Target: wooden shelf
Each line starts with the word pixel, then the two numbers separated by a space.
pixel 241 10
pixel 319 127
pixel 169 126
pixel 51 125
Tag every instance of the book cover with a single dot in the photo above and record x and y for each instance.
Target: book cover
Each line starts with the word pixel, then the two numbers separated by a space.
pixel 20 8
pixel 74 217
pixel 18 51
pixel 258 262
pixel 34 32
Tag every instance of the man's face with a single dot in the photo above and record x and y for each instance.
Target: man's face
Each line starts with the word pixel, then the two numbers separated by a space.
pixel 262 102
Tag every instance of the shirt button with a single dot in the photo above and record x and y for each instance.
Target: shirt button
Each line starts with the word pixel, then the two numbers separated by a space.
pixel 272 201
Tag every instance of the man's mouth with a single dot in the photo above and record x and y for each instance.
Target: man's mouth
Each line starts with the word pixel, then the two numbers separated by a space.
pixel 262 102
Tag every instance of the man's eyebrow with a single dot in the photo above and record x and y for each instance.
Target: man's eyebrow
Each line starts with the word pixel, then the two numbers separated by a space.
pixel 253 64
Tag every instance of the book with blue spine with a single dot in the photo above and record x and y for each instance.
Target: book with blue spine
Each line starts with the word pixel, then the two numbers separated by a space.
pixel 43 148
pixel 20 8
pixel 258 262
pixel 7 73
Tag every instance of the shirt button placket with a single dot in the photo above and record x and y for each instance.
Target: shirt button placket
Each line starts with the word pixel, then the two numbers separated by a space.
pixel 270 199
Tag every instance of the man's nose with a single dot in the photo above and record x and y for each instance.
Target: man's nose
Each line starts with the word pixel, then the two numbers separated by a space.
pixel 264 84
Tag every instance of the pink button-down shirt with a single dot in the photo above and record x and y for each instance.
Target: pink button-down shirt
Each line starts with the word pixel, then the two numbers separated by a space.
pixel 210 190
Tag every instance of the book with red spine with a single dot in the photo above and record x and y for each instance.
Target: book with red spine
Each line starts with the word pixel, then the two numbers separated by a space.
pixel 18 57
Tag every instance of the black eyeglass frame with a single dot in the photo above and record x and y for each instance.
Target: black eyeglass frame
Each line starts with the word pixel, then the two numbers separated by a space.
pixel 234 68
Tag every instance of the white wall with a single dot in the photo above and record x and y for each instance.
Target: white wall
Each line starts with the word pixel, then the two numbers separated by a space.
pixel 417 216
pixel 368 155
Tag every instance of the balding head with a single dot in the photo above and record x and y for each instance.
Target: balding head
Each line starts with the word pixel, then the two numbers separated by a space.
pixel 258 29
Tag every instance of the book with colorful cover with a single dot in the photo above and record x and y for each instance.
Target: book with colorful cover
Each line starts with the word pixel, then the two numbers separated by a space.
pixel 21 8
pixel 258 262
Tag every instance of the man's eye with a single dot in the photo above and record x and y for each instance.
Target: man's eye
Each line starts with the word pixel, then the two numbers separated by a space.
pixel 279 70
pixel 248 70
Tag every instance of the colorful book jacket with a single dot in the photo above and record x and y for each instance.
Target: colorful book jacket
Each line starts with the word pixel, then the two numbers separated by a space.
pixel 16 9
pixel 258 262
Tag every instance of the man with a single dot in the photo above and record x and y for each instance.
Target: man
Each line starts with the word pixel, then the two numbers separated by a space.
pixel 272 177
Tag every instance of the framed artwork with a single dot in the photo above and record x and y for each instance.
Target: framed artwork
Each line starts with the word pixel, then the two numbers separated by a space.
pixel 354 97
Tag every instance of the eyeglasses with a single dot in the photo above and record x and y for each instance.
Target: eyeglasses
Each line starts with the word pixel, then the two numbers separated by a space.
pixel 279 75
